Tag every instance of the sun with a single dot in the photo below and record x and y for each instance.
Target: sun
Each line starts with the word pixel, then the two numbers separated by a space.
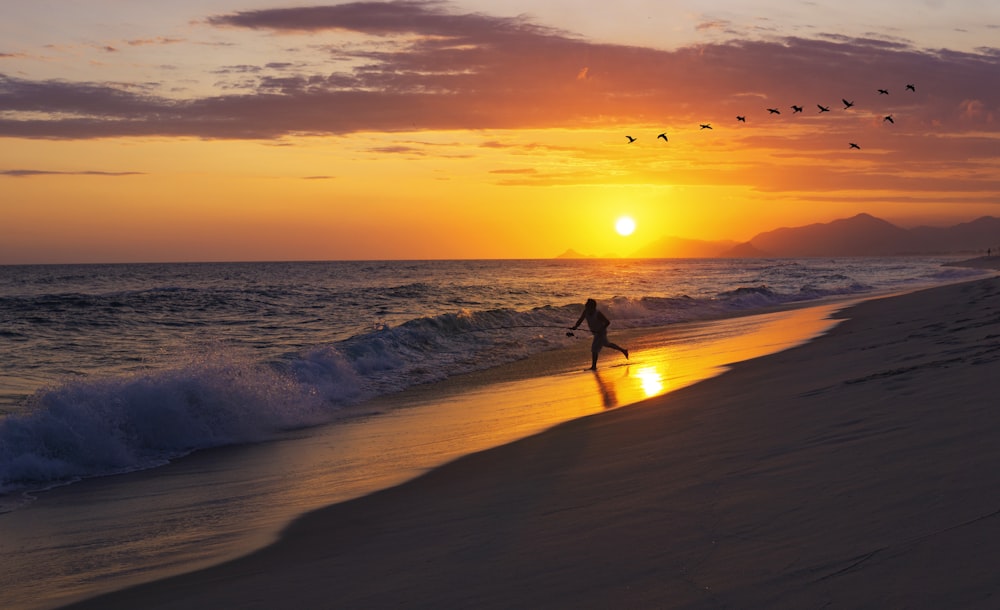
pixel 625 226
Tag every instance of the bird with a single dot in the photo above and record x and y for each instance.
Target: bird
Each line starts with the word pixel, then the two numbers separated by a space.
pixel 888 117
pixel 796 108
pixel 741 119
pixel 706 125
pixel 853 145
pixel 630 139
pixel 823 108
pixel 911 88
pixel 774 111
pixel 664 136
pixel 883 92
pixel 846 103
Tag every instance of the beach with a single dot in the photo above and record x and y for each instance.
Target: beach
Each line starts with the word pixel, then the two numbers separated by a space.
pixel 856 470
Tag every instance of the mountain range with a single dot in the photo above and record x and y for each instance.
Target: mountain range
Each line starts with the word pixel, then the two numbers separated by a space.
pixel 861 235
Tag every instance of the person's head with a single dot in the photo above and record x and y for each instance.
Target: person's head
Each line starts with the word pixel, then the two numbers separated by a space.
pixel 590 305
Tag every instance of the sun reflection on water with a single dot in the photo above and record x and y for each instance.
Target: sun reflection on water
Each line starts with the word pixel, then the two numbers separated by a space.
pixel 650 380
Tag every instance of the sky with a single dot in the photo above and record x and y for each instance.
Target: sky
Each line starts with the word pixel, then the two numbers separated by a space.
pixel 227 130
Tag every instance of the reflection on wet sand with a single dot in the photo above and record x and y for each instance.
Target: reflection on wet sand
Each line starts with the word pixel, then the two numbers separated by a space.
pixel 406 434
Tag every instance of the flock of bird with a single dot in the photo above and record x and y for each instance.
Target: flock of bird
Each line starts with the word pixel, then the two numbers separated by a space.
pixel 848 104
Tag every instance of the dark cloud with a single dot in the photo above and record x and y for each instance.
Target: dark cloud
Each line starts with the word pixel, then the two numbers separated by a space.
pixel 240 69
pixel 398 150
pixel 141 42
pixel 426 18
pixel 25 173
pixel 435 69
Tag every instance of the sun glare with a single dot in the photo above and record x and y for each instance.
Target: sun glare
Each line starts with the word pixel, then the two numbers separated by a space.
pixel 625 226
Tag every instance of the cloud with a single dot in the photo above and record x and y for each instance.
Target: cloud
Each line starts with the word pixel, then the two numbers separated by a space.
pixel 421 66
pixel 714 25
pixel 25 173
pixel 524 170
pixel 975 110
pixel 160 40
pixel 425 18
pixel 398 150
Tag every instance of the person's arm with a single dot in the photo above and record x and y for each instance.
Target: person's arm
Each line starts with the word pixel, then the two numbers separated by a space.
pixel 580 321
pixel 603 319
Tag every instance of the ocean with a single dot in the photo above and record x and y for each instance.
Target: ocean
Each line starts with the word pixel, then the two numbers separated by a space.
pixel 122 381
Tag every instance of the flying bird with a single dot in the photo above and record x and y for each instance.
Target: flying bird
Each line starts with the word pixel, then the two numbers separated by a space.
pixel 823 108
pixel 888 117
pixel 796 108
pixel 846 103
pixel 742 119
pixel 706 125
pixel 853 145
pixel 774 111
pixel 664 136
pixel 911 88
pixel 883 92
pixel 630 139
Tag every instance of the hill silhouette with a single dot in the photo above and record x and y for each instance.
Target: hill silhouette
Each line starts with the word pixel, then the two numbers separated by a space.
pixel 860 235
pixel 866 235
pixel 677 247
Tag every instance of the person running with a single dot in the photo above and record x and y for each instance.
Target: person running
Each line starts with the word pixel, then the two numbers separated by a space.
pixel 598 324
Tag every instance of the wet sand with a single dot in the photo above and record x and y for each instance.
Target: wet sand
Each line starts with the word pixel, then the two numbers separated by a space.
pixel 858 470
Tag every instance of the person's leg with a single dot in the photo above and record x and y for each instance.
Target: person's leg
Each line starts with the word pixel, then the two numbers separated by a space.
pixel 619 348
pixel 595 348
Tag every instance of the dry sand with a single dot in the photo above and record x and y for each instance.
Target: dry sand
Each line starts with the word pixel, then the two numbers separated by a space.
pixel 861 470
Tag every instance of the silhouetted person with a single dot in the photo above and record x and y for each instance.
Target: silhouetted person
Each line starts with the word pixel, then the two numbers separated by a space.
pixel 598 324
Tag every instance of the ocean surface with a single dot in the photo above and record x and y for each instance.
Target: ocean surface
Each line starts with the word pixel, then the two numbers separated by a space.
pixel 116 369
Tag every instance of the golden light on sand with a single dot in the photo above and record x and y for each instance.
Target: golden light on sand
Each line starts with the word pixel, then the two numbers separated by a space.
pixel 651 381
pixel 625 226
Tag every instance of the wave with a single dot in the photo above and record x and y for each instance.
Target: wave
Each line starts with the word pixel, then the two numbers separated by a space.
pixel 100 426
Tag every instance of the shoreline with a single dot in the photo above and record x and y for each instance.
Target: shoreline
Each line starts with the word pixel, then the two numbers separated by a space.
pixel 853 470
pixel 254 491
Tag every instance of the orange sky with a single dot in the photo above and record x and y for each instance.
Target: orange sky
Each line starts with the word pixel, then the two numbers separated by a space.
pixel 423 130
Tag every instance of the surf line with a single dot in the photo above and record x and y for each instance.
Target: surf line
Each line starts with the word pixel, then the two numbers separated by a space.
pixel 379 326
pixel 569 333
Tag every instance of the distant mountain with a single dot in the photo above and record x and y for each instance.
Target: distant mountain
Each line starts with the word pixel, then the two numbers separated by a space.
pixel 865 235
pixel 677 247
pixel 571 253
pixel 969 236
pixel 744 250
pixel 861 235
